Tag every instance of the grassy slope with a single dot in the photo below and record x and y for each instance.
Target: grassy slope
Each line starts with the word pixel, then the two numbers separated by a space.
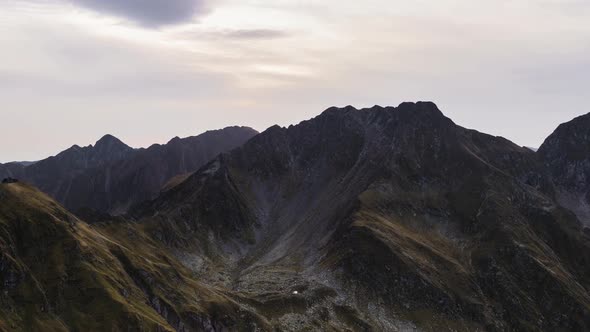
pixel 60 274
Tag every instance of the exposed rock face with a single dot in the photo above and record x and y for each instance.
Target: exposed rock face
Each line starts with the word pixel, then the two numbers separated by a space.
pixel 566 153
pixel 383 219
pixel 110 176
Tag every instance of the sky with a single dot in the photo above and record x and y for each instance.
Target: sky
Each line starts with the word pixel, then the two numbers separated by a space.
pixel 149 70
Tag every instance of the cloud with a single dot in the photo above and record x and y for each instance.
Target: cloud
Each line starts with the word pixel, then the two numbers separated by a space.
pixel 233 34
pixel 151 13
pixel 254 34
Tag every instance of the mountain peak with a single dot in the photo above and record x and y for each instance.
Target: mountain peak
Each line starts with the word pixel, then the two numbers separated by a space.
pixel 108 140
pixel 426 106
pixel 246 128
pixel 422 107
pixel 419 104
pixel 109 146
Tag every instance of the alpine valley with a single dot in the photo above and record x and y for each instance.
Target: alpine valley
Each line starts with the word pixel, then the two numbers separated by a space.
pixel 379 219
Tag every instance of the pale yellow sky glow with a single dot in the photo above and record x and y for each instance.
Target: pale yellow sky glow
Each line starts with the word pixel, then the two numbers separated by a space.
pixel 73 70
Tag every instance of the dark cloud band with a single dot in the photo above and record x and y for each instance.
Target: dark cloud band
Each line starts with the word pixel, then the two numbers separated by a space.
pixel 151 13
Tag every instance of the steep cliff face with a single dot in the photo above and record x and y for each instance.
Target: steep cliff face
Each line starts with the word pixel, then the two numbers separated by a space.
pixel 384 219
pixel 566 154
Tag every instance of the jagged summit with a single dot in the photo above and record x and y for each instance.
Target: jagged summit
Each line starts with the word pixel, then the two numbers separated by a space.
pixel 411 114
pixel 418 106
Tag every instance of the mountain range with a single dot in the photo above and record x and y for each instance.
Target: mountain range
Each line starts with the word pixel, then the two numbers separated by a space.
pixel 110 176
pixel 378 219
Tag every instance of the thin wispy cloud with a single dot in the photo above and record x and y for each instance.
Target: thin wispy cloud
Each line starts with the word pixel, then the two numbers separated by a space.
pixel 233 34
pixel 248 34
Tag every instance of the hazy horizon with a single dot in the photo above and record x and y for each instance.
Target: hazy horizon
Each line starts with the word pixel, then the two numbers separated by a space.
pixel 74 70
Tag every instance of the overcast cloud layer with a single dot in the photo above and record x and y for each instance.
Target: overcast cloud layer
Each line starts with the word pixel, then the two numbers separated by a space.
pixel 73 70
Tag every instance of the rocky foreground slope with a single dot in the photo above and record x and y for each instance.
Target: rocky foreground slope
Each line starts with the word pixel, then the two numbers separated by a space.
pixel 380 219
pixel 58 273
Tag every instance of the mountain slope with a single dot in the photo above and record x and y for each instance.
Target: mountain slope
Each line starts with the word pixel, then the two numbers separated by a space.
pixel 56 175
pixel 566 154
pixel 58 273
pixel 382 219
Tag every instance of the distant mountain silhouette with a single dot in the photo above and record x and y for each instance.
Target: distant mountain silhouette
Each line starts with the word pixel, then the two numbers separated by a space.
pixel 111 176
pixel 57 175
